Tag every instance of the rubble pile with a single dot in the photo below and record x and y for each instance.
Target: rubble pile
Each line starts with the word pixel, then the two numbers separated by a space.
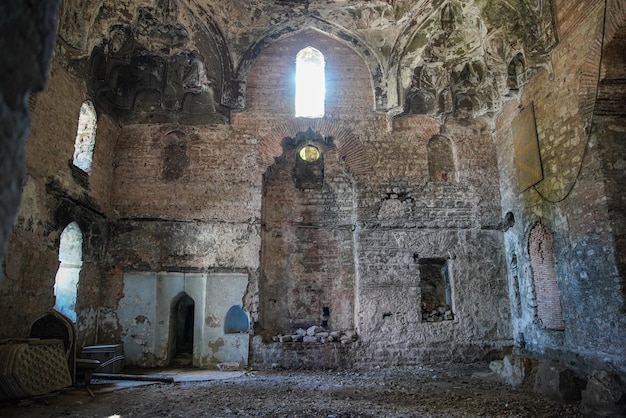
pixel 441 313
pixel 317 334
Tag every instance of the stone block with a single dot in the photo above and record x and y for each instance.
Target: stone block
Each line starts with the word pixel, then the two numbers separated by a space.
pixel 314 330
pixel 513 369
pixel 604 396
pixel 557 382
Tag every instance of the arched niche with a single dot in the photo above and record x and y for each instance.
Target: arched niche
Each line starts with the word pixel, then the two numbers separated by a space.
pixel 307 237
pixel 441 160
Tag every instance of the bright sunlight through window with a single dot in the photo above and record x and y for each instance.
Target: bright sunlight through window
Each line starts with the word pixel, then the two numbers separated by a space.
pixel 310 83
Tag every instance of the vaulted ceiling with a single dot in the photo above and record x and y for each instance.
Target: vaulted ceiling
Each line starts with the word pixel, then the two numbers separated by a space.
pixel 187 60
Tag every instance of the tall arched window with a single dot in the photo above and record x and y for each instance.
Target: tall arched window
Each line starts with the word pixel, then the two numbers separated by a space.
pixel 310 83
pixel 66 281
pixel 85 137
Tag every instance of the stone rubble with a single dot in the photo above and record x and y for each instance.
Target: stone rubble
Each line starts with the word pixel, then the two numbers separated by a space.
pixel 442 313
pixel 317 335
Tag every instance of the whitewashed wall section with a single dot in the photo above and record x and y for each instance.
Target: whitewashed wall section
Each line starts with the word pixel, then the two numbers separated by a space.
pixel 145 313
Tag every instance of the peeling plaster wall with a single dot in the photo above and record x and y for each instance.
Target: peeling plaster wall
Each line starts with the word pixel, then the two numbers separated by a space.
pixel 182 192
pixel 145 315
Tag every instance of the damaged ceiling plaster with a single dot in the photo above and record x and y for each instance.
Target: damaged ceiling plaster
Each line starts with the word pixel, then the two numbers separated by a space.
pixel 185 61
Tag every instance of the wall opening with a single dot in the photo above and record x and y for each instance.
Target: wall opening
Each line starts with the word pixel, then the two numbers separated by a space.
pixel 182 329
pixel 544 278
pixel 310 83
pixel 68 274
pixel 516 72
pixel 441 167
pixel 309 167
pixel 85 137
pixel 435 290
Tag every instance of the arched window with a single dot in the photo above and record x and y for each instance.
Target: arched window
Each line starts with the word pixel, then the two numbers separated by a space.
pixel 310 83
pixel 66 281
pixel 85 137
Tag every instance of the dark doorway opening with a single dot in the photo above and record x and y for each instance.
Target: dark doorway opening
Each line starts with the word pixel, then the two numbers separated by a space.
pixel 181 330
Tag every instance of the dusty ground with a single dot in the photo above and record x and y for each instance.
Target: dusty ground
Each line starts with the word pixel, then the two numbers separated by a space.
pixel 449 391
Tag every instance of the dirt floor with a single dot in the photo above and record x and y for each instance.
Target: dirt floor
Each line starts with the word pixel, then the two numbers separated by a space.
pixel 448 391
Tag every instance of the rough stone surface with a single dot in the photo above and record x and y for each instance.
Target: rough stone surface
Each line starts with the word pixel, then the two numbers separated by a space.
pixel 557 382
pixel 604 396
pixel 514 369
pixel 27 33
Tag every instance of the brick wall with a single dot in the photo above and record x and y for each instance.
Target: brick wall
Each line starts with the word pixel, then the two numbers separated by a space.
pixel 571 201
pixel 307 253
pixel 544 278
pixel 271 81
pixel 53 197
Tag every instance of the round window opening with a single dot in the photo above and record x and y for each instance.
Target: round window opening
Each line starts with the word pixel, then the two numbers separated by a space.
pixel 309 153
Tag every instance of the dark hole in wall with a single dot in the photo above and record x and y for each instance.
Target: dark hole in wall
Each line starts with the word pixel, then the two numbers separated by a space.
pixel 435 290
pixel 509 221
pixel 183 324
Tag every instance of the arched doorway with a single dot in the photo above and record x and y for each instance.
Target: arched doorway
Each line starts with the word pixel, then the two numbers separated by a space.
pixel 182 318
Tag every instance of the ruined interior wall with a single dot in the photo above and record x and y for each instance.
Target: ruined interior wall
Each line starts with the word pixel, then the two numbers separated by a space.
pixel 404 217
pixel 401 216
pixel 186 199
pixel 54 196
pixel 570 202
pixel 308 273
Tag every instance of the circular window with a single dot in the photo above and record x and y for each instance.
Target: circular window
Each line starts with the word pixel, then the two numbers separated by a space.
pixel 309 153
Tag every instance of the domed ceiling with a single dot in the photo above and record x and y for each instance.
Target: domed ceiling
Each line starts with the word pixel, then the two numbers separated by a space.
pixel 186 61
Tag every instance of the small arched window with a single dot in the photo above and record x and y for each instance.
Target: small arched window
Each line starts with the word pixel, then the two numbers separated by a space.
pixel 310 83
pixel 85 137
pixel 66 281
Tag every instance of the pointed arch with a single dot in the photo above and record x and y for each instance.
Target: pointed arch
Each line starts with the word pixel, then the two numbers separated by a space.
pixel 516 72
pixel 350 148
pixel 441 161
pixel 544 278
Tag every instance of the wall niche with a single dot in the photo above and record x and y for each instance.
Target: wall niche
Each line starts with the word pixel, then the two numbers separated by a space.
pixel 435 290
pixel 307 255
